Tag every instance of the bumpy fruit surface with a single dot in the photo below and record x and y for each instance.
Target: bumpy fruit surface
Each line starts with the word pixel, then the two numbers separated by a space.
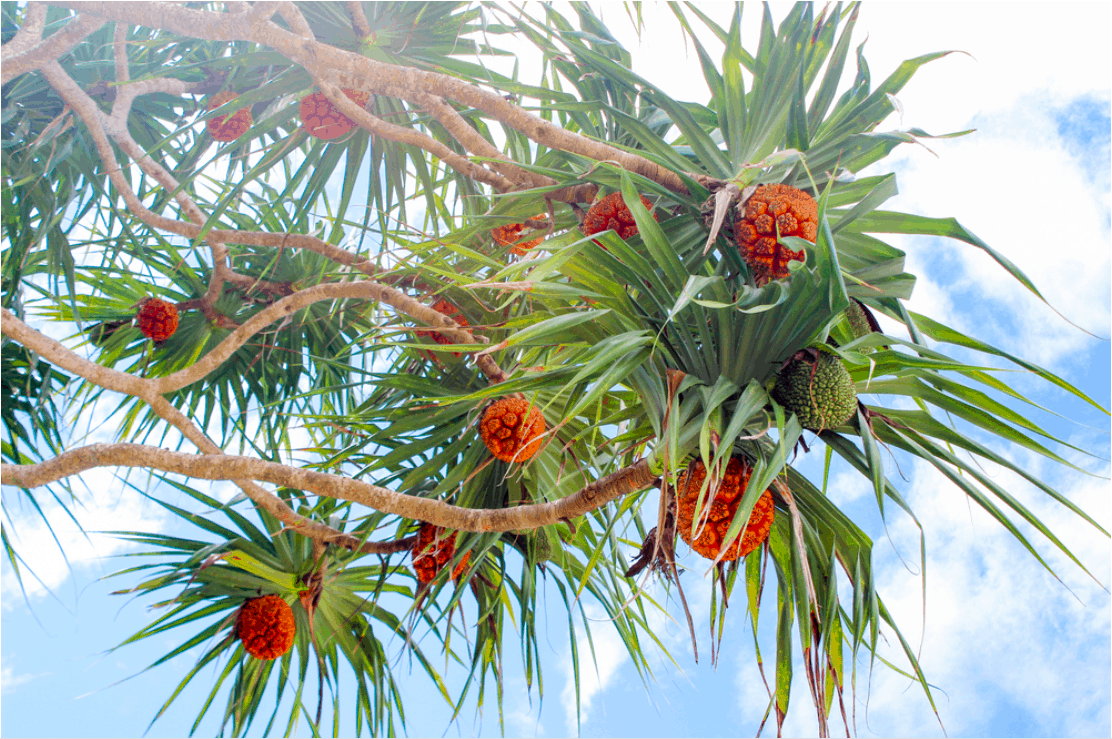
pixel 859 323
pixel 507 236
pixel 511 429
pixel 819 391
pixel 443 306
pixel 227 127
pixel 157 319
pixel 266 627
pixel 323 119
pixel 716 515
pixel 771 209
pixel 434 550
pixel 612 213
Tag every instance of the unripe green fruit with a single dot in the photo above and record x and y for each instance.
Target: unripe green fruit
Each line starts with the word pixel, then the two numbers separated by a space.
pixel 540 549
pixel 819 391
pixel 859 323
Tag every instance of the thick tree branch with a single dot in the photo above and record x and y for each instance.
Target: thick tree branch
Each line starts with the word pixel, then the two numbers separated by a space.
pixel 119 41
pixel 404 135
pixel 226 467
pixel 20 62
pixel 473 141
pixel 146 390
pixel 358 18
pixel 100 125
pixel 28 35
pixel 351 70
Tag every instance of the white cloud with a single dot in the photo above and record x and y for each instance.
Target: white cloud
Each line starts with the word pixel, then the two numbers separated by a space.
pixel 9 681
pixel 104 503
pixel 1000 630
pixel 594 676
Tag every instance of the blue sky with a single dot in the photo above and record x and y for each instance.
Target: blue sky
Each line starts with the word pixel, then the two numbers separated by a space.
pixel 1013 652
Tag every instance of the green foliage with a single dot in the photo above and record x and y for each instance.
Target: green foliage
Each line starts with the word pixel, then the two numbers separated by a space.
pixel 659 347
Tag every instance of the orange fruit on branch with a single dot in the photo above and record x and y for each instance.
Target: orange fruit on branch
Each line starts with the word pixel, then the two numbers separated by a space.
pixel 443 306
pixel 771 212
pixel 511 429
pixel 266 627
pixel 157 319
pixel 509 234
pixel 227 127
pixel 433 551
pixel 714 519
pixel 612 213
pixel 323 119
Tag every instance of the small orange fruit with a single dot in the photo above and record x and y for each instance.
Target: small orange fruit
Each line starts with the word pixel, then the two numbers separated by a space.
pixel 716 515
pixel 512 428
pixel 227 127
pixel 433 551
pixel 772 210
pixel 509 234
pixel 157 319
pixel 266 627
pixel 323 119
pixel 612 213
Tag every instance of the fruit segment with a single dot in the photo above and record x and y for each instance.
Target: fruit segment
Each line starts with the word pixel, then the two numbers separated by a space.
pixel 323 120
pixel 771 212
pixel 612 213
pixel 157 319
pixel 266 627
pixel 227 127
pixel 717 513
pixel 512 428
pixel 434 550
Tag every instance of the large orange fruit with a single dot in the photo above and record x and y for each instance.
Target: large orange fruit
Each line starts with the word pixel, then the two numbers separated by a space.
pixel 717 513
pixel 774 211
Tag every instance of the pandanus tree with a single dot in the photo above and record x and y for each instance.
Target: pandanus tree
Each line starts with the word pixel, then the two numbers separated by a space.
pixel 458 336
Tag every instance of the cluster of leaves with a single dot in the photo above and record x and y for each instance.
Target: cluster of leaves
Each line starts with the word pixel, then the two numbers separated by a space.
pixel 660 346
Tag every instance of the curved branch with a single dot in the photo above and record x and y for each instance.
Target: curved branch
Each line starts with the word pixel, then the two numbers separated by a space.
pixel 473 141
pixel 404 135
pixel 358 18
pixel 98 127
pixel 49 50
pixel 28 35
pixel 636 477
pixel 352 70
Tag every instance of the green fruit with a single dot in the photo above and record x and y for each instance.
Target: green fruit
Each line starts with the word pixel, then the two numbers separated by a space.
pixel 859 323
pixel 819 391
pixel 540 550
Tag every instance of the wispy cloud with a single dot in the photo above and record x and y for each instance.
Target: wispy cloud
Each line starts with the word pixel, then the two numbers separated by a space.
pixel 105 503
pixel 594 674
pixel 9 681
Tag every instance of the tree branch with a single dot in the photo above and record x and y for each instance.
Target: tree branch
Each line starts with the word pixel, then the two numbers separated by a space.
pixel 28 35
pixel 473 141
pixel 354 71
pixel 227 467
pixel 404 135
pixel 46 51
pixel 98 125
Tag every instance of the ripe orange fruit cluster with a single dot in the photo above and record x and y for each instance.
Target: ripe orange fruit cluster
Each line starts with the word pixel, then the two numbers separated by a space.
pixel 434 550
pixel 227 127
pixel 717 513
pixel 511 429
pixel 266 627
pixel 509 234
pixel 611 212
pixel 157 319
pixel 323 119
pixel 443 306
pixel 772 210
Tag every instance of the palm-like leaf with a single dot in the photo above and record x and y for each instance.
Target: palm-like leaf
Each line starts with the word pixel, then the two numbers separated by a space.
pixel 660 347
